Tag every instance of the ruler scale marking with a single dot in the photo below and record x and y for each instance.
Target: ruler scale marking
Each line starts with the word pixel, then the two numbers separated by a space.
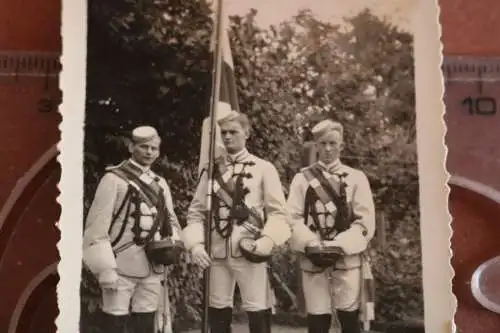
pixel 36 73
pixel 472 96
pixel 29 64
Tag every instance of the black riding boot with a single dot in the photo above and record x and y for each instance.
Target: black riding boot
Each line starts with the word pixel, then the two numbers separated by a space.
pixel 259 321
pixel 220 320
pixel 349 321
pixel 142 322
pixel 319 323
pixel 113 324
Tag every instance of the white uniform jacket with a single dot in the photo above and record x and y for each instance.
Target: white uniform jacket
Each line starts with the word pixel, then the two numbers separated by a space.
pixel 353 241
pixel 264 194
pixel 128 258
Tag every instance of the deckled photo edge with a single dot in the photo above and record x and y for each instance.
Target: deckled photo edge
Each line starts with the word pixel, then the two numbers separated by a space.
pixel 72 109
pixel 439 306
pixel 436 231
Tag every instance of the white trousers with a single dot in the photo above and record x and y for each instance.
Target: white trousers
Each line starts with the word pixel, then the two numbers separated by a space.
pixel 318 288
pixel 137 295
pixel 252 279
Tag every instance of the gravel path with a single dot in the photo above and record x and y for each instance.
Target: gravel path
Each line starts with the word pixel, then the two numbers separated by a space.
pixel 243 328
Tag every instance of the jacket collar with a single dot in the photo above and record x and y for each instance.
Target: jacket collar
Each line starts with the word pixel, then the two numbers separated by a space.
pixel 334 167
pixel 238 157
pixel 142 168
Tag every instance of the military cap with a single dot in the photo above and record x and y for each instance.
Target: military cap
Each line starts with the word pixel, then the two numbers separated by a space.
pixel 326 126
pixel 143 134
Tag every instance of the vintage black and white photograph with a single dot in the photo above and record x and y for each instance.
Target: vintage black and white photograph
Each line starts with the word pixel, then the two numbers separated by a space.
pixel 252 166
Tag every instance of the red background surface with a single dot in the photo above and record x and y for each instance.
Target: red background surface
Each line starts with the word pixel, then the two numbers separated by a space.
pixel 468 27
pixel 28 236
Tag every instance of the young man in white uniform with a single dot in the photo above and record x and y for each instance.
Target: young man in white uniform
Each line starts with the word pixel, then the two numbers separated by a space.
pixel 255 183
pixel 132 207
pixel 331 204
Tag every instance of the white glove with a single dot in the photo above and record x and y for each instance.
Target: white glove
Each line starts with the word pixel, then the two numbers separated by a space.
pixel 200 256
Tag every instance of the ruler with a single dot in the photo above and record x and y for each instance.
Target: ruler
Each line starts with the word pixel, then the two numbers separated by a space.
pixel 32 73
pixel 29 173
pixel 472 99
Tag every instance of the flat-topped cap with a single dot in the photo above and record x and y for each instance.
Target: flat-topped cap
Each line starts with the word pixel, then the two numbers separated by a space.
pixel 144 133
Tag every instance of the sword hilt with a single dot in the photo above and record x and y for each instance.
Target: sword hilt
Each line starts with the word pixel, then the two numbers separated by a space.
pixel 251 228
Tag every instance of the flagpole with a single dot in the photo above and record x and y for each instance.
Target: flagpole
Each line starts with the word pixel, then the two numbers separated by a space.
pixel 216 82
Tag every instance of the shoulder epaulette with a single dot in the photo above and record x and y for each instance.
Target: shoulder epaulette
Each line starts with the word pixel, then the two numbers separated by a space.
pixel 309 167
pixel 113 167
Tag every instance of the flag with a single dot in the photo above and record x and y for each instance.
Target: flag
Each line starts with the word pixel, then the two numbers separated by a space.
pixel 228 100
pixel 367 313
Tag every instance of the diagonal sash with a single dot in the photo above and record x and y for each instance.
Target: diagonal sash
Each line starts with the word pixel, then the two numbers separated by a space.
pixel 224 188
pixel 323 187
pixel 326 192
pixel 152 193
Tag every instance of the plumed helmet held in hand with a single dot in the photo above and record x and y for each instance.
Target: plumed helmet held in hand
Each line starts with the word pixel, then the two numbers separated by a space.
pixel 322 255
pixel 165 252
pixel 247 248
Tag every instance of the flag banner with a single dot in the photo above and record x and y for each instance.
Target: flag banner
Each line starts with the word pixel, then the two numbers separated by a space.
pixel 228 100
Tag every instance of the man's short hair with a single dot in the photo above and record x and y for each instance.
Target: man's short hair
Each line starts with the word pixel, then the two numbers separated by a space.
pixel 143 134
pixel 326 126
pixel 238 117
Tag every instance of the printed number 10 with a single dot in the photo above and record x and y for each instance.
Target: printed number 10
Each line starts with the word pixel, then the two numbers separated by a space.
pixel 483 106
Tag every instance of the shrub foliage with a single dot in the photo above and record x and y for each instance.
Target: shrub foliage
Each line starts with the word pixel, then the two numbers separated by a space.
pixel 148 63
